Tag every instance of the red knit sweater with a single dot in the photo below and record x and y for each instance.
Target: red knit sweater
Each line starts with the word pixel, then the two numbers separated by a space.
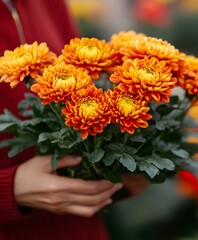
pixel 49 21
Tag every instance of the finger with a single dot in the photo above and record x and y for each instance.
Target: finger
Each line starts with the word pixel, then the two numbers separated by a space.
pixel 68 161
pixel 90 200
pixel 80 186
pixel 85 211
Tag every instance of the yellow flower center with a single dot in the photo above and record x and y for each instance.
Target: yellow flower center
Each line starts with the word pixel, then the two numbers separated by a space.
pixel 88 52
pixel 88 109
pixel 147 76
pixel 64 82
pixel 125 105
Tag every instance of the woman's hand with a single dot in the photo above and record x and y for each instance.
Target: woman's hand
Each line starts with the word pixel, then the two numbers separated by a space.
pixel 37 186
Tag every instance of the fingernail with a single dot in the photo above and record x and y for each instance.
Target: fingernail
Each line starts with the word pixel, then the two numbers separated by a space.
pixel 118 186
pixel 77 157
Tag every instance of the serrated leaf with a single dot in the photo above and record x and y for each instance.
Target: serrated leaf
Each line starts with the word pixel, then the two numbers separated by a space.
pixel 35 121
pixel 54 136
pixel 31 122
pixel 180 153
pixel 149 168
pixel 128 162
pixel 20 144
pixel 96 155
pixel 162 163
pixel 68 140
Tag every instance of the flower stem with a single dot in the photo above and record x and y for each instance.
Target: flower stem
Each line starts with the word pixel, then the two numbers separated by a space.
pixel 97 171
pixel 86 144
pixel 126 136
pixel 57 115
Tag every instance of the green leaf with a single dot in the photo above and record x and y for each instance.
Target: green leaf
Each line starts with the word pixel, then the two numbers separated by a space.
pixel 160 125
pixel 147 167
pixel 174 100
pixel 69 140
pixel 114 147
pixel 191 148
pixel 164 109
pixel 96 155
pixel 128 162
pixel 114 177
pixel 109 158
pixel 54 160
pixel 7 143
pixel 7 117
pixel 161 163
pixel 18 144
pixel 129 150
pixel 138 139
pixel 35 121
pixel 180 153
pixel 5 126
pixel 48 136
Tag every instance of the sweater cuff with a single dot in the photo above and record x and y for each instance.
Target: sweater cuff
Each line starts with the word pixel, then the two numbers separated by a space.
pixel 8 207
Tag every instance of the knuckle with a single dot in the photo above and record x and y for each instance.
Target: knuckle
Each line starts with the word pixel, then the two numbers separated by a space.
pixel 53 187
pixel 53 200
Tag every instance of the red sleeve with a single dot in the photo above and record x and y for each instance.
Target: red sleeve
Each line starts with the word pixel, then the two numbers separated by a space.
pixel 8 208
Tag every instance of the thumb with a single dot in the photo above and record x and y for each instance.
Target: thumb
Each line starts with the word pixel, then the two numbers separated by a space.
pixel 68 161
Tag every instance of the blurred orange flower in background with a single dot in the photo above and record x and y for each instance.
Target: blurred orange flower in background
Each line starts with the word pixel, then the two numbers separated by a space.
pixel 190 82
pixel 187 184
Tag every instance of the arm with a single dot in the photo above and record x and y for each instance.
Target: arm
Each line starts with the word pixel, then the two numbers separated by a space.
pixel 8 207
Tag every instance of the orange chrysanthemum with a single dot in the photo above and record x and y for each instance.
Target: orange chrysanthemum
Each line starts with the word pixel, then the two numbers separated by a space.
pixel 129 111
pixel 89 53
pixel 59 81
pixel 88 111
pixel 26 60
pixel 149 78
pixel 154 47
pixel 123 38
pixel 190 81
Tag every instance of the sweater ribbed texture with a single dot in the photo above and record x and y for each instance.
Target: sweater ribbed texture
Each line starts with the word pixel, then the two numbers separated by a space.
pixel 9 210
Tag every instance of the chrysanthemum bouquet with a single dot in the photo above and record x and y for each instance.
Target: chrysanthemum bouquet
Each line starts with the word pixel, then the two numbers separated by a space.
pixel 110 102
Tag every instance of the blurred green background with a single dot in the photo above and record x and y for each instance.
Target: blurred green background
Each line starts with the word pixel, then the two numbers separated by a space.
pixel 159 213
